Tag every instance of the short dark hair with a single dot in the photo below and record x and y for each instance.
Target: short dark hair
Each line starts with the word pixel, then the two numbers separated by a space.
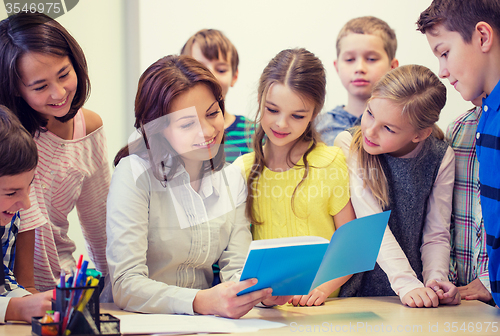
pixel 460 16
pixel 35 32
pixel 18 150
pixel 212 42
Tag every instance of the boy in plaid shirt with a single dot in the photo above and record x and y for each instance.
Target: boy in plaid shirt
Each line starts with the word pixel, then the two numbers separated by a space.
pixel 468 259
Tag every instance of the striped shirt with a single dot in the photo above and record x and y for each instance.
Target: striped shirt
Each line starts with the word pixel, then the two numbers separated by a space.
pixel 468 259
pixel 238 138
pixel 69 173
pixel 488 154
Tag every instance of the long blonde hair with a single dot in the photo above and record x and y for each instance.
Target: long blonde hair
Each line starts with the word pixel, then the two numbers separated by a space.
pixel 304 74
pixel 421 96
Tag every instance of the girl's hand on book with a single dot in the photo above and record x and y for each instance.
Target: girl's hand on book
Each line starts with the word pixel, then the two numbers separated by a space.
pixel 421 297
pixel 446 291
pixel 315 298
pixel 276 300
pixel 222 299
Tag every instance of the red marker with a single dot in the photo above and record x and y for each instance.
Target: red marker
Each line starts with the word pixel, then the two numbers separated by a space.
pixel 78 266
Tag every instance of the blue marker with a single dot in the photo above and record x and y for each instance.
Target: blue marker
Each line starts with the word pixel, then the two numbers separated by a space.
pixel 80 282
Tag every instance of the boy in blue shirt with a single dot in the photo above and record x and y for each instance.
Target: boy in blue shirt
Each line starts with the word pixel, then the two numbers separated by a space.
pixel 18 160
pixel 366 50
pixel 465 37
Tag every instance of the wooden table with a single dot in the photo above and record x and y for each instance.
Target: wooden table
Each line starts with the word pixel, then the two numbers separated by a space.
pixel 357 316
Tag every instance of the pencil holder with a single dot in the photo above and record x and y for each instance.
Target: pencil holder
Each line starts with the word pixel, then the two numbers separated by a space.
pixel 65 295
pixel 109 326
pixel 81 322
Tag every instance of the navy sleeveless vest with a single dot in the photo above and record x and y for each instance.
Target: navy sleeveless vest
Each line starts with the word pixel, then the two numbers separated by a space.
pixel 410 183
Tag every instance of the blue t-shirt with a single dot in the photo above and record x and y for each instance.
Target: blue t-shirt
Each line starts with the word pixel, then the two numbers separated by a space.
pixel 331 123
pixel 488 154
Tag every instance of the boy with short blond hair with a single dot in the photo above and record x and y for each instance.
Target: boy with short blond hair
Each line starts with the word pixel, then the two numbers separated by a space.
pixel 212 48
pixel 465 36
pixel 366 50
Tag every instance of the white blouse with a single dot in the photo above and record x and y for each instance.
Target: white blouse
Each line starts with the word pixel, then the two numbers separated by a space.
pixel 163 241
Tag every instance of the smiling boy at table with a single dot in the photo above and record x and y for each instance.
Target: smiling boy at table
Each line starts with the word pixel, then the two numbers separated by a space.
pixel 19 158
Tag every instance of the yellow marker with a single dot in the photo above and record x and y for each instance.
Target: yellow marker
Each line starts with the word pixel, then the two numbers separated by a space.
pixel 88 294
pixel 84 300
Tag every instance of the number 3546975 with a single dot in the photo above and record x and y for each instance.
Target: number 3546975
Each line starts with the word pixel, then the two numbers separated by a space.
pixel 27 7
pixel 471 327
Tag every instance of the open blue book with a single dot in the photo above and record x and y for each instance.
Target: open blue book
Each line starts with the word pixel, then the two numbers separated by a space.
pixel 296 265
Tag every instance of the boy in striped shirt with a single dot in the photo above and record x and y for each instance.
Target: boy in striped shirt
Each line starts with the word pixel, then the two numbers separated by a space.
pixel 214 50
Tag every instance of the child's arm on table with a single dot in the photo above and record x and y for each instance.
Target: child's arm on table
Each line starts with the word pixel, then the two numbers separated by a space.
pixel 23 308
pixel 475 290
pixel 446 291
pixel 319 294
pixel 402 278
pixel 276 300
pixel 391 258
pixel 479 288
pixel 24 262
pixel 435 247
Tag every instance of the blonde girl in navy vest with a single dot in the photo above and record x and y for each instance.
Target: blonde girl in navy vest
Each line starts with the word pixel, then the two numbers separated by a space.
pixel 399 162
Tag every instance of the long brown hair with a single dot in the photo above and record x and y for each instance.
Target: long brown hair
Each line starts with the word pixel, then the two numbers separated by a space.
pixel 35 32
pixel 158 86
pixel 304 74
pixel 421 96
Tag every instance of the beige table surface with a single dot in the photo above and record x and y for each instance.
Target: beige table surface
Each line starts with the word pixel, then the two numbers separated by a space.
pixel 357 316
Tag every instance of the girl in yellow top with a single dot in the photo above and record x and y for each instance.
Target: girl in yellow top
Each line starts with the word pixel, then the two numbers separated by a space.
pixel 297 186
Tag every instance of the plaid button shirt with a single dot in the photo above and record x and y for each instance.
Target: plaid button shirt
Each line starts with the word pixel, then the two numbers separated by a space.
pixel 468 259
pixel 9 254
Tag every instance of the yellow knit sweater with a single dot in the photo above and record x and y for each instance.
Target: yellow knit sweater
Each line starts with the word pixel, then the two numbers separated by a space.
pixel 322 195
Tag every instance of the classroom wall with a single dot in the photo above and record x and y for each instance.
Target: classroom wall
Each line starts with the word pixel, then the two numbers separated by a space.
pixel 99 27
pixel 121 38
pixel 260 29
